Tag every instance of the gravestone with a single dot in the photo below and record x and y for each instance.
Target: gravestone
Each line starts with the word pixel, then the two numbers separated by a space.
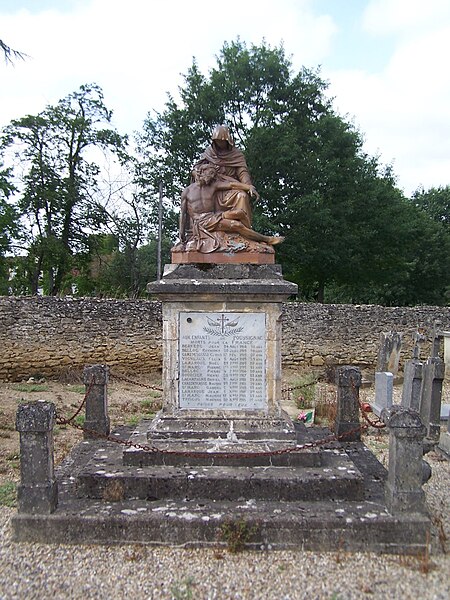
pixel 446 335
pixel 384 389
pixel 389 352
pixel 412 376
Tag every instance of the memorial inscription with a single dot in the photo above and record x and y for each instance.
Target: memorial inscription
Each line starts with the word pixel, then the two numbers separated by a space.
pixel 222 361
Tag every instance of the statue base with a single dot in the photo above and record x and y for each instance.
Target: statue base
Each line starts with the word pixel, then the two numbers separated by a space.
pixel 233 249
pixel 222 350
pixel 223 258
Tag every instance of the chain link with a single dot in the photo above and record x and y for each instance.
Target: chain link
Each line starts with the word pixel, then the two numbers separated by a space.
pixel 138 383
pixel 378 424
pixel 62 421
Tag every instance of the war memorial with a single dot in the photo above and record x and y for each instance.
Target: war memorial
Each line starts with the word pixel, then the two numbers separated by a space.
pixel 222 461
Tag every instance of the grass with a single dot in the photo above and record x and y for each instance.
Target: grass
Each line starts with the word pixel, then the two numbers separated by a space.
pixel 236 534
pixel 79 420
pixel 8 494
pixel 30 387
pixel 182 590
pixel 78 389
pixel 305 390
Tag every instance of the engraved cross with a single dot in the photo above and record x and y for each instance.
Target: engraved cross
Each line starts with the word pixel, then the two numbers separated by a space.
pixel 222 320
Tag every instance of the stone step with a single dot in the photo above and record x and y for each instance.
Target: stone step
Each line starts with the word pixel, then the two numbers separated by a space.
pixel 218 451
pixel 320 525
pixel 105 476
pixel 339 526
pixel 240 428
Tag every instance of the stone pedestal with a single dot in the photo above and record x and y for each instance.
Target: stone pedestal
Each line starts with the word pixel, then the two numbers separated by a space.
pixel 405 475
pixel 221 350
pixel 95 379
pixel 37 492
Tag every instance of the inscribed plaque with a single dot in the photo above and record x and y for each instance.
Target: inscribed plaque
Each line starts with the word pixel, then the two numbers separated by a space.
pixel 222 361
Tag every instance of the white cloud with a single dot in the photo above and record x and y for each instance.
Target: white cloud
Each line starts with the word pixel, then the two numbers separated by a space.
pixel 404 110
pixel 384 17
pixel 136 51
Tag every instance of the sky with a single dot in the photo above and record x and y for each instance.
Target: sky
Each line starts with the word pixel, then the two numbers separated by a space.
pixel 386 62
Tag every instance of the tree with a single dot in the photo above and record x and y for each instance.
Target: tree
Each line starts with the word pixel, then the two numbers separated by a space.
pixel 10 54
pixel 344 219
pixel 435 202
pixel 59 179
pixel 9 225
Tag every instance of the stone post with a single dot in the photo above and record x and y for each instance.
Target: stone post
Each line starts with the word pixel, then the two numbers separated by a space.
pixel 38 490
pixel 405 475
pixel 348 381
pixel 95 378
pixel 430 407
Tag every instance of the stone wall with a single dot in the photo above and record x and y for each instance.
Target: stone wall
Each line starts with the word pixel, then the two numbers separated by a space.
pixel 333 334
pixel 42 335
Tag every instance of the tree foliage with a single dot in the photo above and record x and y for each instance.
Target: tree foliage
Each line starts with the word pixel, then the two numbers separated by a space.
pixel 350 233
pixel 59 179
pixel 435 202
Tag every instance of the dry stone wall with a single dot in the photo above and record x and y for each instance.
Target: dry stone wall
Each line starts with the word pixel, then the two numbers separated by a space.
pixel 337 334
pixel 48 336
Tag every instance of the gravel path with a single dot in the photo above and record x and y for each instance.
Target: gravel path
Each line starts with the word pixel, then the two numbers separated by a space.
pixel 37 571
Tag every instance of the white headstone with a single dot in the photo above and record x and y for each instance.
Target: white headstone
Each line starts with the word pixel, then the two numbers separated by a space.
pixel 384 389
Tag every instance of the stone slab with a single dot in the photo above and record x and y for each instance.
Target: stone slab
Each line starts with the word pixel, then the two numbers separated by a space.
pixel 338 479
pixel 235 426
pixel 222 361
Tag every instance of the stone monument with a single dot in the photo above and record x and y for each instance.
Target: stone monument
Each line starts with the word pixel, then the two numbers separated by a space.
pixel 222 300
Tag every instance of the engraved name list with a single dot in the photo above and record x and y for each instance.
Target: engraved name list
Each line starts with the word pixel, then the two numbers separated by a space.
pixel 222 361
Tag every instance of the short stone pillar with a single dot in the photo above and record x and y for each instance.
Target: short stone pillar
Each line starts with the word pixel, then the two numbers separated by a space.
pixel 348 381
pixel 96 378
pixel 405 474
pixel 38 490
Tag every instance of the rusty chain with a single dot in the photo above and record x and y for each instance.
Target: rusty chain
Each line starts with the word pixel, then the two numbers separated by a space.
pixel 138 383
pixel 62 421
pixel 378 424
pixel 290 450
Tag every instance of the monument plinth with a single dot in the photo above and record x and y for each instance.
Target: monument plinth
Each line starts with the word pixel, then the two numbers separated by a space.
pixel 222 350
pixel 221 301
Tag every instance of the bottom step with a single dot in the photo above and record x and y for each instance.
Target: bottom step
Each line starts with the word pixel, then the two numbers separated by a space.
pixel 315 526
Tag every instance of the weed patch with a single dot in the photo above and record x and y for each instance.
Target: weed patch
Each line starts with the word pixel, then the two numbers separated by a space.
pixel 236 534
pixel 8 494
pixel 30 387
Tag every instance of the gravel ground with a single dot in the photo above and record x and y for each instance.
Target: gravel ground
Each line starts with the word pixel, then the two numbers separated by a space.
pixel 37 571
